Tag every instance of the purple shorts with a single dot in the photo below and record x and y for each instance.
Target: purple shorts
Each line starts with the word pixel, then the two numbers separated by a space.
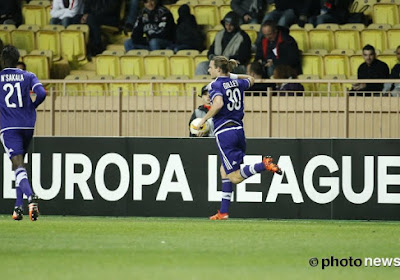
pixel 231 143
pixel 16 141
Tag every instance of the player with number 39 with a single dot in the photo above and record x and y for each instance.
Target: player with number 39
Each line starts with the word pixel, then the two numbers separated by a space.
pixel 227 111
pixel 17 122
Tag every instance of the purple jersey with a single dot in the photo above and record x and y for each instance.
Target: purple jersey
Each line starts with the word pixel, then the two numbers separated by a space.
pixel 16 106
pixel 231 91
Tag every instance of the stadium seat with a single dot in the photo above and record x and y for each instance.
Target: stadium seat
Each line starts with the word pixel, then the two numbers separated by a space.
pixel 309 87
pixel 22 53
pixel 342 51
pixel 301 37
pixel 116 47
pixel 317 51
pixel 73 45
pixel 132 65
pixel 162 52
pixel 114 52
pixel 47 53
pixel 138 52
pixel 385 13
pixel 207 14
pixel 374 37
pixel 48 38
pixel 108 65
pixel 210 36
pixel 81 28
pixel 127 88
pixel 195 87
pixel 313 65
pixel 156 65
pixel 347 39
pixel 223 10
pixel 329 26
pixel 34 14
pixel 393 36
pixel 177 88
pixel 389 59
pixel 182 65
pixel 74 89
pixel 251 30
pixel 381 26
pixel 336 89
pixel 355 62
pixel 191 53
pixel 150 87
pixel 352 26
pixel 307 26
pixel 38 64
pixel 24 37
pixel 321 39
pixel 200 58
pixel 98 89
pixel 337 65
pixel 5 33
pixel 363 5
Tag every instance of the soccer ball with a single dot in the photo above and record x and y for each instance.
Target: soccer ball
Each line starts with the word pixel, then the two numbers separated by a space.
pixel 205 128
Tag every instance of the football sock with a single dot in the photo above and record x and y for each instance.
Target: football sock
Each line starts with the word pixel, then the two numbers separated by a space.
pixel 21 180
pixel 250 170
pixel 20 197
pixel 227 188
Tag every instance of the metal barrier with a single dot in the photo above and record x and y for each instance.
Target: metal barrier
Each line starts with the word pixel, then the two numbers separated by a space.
pixel 151 109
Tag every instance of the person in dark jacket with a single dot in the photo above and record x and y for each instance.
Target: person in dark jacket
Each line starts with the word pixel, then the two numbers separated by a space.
pixel 250 11
pixel 201 111
pixel 333 11
pixel 287 89
pixel 231 42
pixel 188 34
pixel 157 23
pixel 10 12
pixel 277 47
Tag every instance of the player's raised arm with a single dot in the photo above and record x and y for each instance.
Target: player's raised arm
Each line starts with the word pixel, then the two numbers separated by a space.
pixel 242 76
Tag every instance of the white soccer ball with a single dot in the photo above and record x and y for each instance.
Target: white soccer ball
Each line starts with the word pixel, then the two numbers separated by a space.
pixel 205 128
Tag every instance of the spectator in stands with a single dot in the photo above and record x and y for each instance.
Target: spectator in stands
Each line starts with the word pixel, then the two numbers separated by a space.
pixel 250 11
pixel 372 68
pixel 66 12
pixel 395 74
pixel 133 8
pixel 202 110
pixel 231 42
pixel 287 89
pixel 21 65
pixel 97 13
pixel 284 13
pixel 188 34
pixel 157 23
pixel 333 11
pixel 10 12
pixel 277 47
pixel 256 70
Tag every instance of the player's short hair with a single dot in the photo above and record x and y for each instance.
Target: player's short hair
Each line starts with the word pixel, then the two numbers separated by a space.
pixel 9 56
pixel 369 48
pixel 226 65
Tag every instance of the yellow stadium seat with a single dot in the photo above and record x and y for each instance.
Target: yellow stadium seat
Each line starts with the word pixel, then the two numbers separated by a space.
pixel 389 51
pixel 38 64
pixel 22 53
pixel 81 28
pixel 108 65
pixel 355 62
pixel 156 65
pixel 301 37
pixel 389 59
pixel 337 65
pixel 374 37
pixel 151 87
pixel 138 52
pixel 126 88
pixel 200 58
pixel 309 88
pixel 188 2
pixel 329 26
pixel 116 47
pixel 162 52
pixel 313 65
pixel 114 52
pixel 47 53
pixel 321 39
pixel 210 36
pixel 352 26
pixel 74 89
pixel 98 89
pixel 393 36
pixel 191 53
pixel 177 88
pixel 365 6
pixel 5 33
pixel 223 10
pixel 195 87
pixel 182 65
pixel 347 39
pixel 335 89
pixel 88 73
pixel 382 26
pixel 386 13
pixel 24 37
pixel 34 14
pixel 48 38
pixel 206 14
pixel 317 51
pixel 73 45
pixel 342 51
pixel 251 26
pixel 132 65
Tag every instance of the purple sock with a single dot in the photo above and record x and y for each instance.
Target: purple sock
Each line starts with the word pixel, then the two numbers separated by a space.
pixel 250 170
pixel 21 180
pixel 20 197
pixel 227 188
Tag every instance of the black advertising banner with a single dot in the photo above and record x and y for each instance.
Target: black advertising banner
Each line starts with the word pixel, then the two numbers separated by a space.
pixel 179 177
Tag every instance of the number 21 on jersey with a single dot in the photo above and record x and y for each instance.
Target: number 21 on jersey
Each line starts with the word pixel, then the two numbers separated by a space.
pixel 10 89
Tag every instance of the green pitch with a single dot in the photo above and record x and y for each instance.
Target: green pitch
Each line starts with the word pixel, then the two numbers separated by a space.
pixel 87 248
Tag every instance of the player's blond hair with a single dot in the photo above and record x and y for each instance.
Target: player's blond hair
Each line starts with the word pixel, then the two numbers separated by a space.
pixel 226 65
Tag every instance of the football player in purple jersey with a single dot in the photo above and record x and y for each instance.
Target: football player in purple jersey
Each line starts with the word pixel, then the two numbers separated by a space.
pixel 227 111
pixel 17 122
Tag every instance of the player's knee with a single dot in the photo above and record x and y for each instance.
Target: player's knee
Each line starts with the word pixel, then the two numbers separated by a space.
pixel 235 177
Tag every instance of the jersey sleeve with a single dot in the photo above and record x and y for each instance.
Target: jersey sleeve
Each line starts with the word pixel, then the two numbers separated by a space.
pixel 244 84
pixel 37 88
pixel 34 81
pixel 215 90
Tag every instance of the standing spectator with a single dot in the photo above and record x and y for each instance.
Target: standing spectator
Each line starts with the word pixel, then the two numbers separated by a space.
pixel 395 74
pixel 157 23
pixel 97 13
pixel 250 11
pixel 287 89
pixel 231 42
pixel 372 68
pixel 66 15
pixel 188 34
pixel 277 47
pixel 133 8
pixel 202 110
pixel 10 12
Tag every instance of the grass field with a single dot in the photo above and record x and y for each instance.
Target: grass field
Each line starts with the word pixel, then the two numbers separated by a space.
pixel 57 247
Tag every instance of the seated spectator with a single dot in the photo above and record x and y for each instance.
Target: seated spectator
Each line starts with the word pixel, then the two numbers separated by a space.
pixel 66 15
pixel 250 11
pixel 395 74
pixel 287 89
pixel 256 70
pixel 97 13
pixel 283 15
pixel 372 68
pixel 157 23
pixel 277 47
pixel 202 110
pixel 333 11
pixel 188 34
pixel 231 42
pixel 21 65
pixel 10 12
pixel 131 17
